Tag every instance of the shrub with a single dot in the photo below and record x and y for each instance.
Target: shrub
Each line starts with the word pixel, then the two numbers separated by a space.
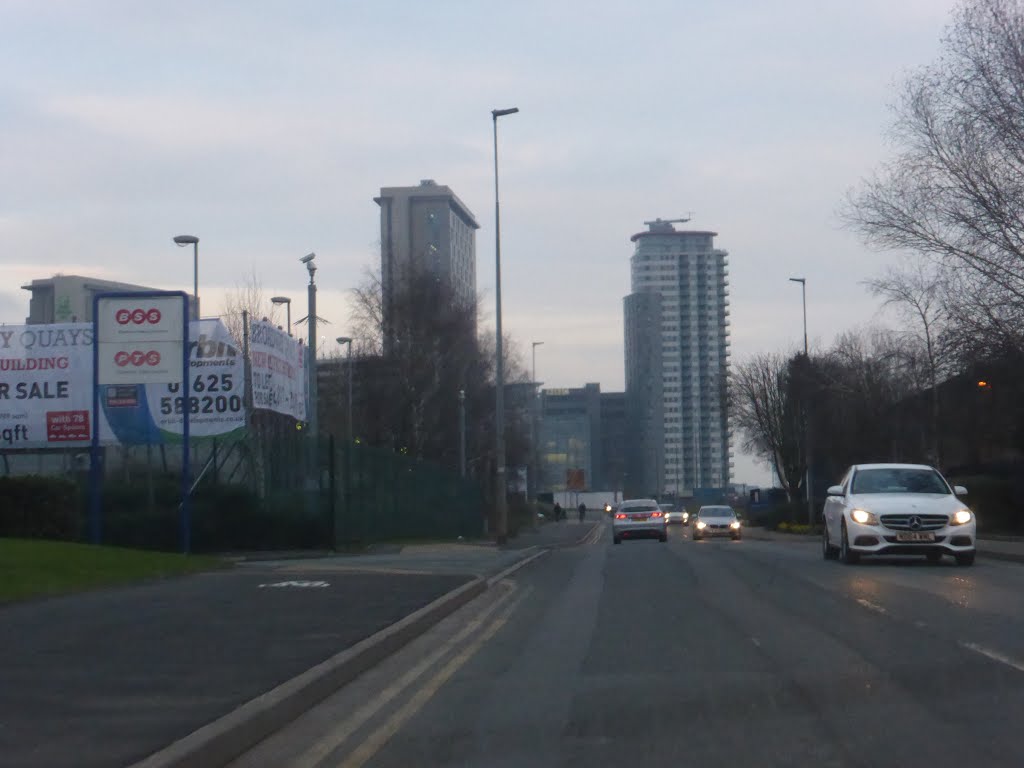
pixel 35 507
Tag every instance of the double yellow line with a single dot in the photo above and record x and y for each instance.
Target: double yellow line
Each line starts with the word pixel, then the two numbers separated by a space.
pixel 336 737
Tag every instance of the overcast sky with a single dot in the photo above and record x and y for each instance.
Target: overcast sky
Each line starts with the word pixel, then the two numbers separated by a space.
pixel 266 128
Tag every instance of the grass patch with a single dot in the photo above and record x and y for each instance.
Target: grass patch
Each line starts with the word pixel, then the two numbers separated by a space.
pixel 35 568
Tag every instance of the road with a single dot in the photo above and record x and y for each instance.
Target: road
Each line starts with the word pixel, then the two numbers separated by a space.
pixel 712 653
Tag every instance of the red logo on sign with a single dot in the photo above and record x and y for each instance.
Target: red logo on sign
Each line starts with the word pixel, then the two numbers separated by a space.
pixel 137 358
pixel 138 316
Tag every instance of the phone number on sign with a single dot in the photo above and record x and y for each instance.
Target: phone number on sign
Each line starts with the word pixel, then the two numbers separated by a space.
pixel 200 405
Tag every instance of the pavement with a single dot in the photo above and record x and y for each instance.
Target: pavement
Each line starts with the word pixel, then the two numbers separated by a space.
pixel 1009 548
pixel 713 653
pixel 196 669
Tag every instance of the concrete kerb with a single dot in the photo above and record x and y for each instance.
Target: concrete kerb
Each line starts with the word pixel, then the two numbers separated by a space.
pixel 224 739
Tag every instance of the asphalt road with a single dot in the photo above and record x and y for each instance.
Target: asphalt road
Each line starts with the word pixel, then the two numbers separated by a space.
pixel 711 653
pixel 101 680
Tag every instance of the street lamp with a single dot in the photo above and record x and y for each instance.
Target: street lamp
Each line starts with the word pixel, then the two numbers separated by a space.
pixel 803 291
pixel 348 340
pixel 311 417
pixel 499 376
pixel 533 421
pixel 462 432
pixel 181 241
pixel 278 300
pixel 807 406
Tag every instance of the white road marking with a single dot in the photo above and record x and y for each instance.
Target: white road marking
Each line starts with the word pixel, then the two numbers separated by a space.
pixel 871 606
pixel 755 641
pixel 299 584
pixel 995 656
pixel 333 739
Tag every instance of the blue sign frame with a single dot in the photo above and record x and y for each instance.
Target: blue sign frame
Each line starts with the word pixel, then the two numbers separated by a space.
pixel 95 457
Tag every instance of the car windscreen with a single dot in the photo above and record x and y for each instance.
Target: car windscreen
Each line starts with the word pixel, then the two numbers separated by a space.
pixel 898 480
pixel 640 508
pixel 716 512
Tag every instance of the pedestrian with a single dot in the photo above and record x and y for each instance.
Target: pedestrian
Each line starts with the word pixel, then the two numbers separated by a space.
pixel 558 511
pixel 583 510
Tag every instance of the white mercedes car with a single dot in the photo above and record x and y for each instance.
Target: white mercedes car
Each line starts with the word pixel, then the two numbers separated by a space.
pixel 897 509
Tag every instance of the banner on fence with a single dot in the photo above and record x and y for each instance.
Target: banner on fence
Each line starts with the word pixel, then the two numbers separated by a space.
pixel 46 390
pixel 278 364
pixel 45 385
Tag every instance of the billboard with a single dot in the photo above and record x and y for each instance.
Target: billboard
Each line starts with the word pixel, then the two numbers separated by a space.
pixel 140 339
pixel 46 376
pixel 45 385
pixel 278 364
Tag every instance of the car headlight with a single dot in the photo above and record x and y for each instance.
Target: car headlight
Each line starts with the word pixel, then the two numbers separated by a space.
pixel 864 517
pixel 701 525
pixel 961 517
pixel 735 524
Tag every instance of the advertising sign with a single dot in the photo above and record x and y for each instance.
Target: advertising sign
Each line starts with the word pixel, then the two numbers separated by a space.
pixel 278 364
pixel 45 385
pixel 46 390
pixel 215 403
pixel 140 339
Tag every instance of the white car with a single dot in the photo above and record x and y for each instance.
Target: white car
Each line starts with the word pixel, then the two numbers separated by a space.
pixel 639 519
pixel 897 509
pixel 673 515
pixel 716 520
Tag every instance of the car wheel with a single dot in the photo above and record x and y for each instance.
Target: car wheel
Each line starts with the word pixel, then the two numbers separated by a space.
pixel 663 538
pixel 846 554
pixel 696 537
pixel 965 559
pixel 934 557
pixel 827 550
pixel 616 539
pixel 736 537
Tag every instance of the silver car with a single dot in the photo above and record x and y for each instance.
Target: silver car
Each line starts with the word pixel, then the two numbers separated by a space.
pixel 716 520
pixel 639 519
pixel 673 515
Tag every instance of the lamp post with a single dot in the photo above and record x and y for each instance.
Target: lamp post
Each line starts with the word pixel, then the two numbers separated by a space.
pixel 311 416
pixel 807 406
pixel 277 300
pixel 499 375
pixel 462 432
pixel 348 431
pixel 533 421
pixel 181 241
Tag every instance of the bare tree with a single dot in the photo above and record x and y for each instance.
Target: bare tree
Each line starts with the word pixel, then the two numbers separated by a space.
pixel 955 190
pixel 763 407
pixel 248 296
pixel 916 290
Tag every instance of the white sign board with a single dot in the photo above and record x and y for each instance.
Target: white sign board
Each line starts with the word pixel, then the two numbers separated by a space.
pixel 140 340
pixel 278 364
pixel 45 385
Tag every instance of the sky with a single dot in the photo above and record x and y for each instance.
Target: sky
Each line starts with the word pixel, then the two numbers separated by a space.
pixel 266 129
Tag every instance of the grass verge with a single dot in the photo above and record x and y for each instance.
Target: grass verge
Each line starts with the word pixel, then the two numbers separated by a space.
pixel 37 568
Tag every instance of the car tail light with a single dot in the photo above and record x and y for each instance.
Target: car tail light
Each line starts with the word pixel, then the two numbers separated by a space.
pixel 620 516
pixel 656 514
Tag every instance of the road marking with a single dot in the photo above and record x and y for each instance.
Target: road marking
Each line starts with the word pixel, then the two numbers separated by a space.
pixel 871 606
pixel 595 535
pixel 386 732
pixel 755 641
pixel 995 656
pixel 337 736
pixel 298 584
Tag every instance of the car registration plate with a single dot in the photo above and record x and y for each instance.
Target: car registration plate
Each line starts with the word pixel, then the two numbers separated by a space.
pixel 915 536
pixel 640 517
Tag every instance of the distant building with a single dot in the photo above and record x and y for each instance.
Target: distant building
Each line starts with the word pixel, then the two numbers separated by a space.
pixel 677 362
pixel 613 440
pixel 426 226
pixel 570 436
pixel 68 298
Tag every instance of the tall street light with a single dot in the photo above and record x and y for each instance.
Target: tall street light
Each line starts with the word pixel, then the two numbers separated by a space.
pixel 348 431
pixel 807 406
pixel 277 300
pixel 311 417
pixel 499 376
pixel 181 241
pixel 533 421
